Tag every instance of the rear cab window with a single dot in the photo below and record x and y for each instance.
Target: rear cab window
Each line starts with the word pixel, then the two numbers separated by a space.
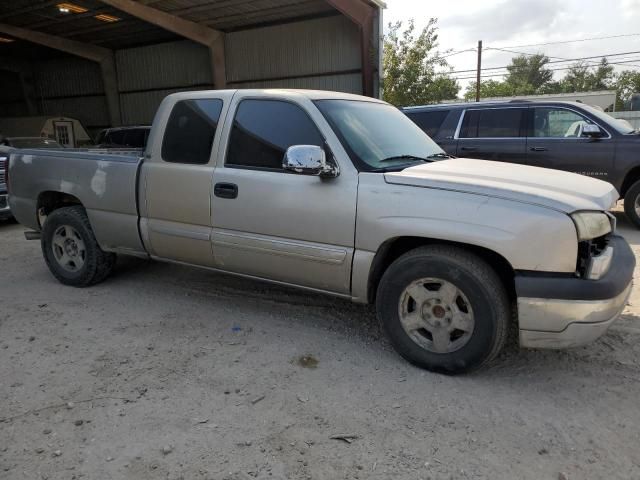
pixel 493 123
pixel 190 130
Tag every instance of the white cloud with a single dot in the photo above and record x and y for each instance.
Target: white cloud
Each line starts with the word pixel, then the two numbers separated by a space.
pixel 502 23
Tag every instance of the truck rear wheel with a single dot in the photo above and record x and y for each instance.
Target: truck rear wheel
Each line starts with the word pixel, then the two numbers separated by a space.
pixel 444 309
pixel 71 250
pixel 632 204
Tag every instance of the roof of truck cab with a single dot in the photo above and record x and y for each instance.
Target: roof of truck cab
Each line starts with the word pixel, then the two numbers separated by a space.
pixel 283 92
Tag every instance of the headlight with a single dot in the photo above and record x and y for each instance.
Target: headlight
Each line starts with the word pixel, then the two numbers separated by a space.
pixel 591 225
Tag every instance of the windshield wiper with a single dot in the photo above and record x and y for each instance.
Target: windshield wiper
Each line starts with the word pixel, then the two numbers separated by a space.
pixel 440 155
pixel 403 157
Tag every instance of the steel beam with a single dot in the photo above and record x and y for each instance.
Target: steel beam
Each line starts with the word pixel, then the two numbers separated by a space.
pixel 103 56
pixel 363 15
pixel 211 38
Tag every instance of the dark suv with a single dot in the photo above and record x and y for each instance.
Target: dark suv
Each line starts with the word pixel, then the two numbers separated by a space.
pixel 567 136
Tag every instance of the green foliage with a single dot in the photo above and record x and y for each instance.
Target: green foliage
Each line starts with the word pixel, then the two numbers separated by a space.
pixel 489 88
pixel 527 76
pixel 627 83
pixel 410 63
pixel 581 77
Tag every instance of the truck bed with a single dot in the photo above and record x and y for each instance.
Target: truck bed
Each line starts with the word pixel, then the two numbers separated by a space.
pixel 105 182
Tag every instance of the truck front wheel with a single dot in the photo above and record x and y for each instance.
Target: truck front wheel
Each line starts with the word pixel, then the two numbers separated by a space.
pixel 444 309
pixel 632 204
pixel 71 250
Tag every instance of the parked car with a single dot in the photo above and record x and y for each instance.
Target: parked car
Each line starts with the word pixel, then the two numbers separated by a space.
pixel 123 137
pixel 344 195
pixel 7 145
pixel 568 136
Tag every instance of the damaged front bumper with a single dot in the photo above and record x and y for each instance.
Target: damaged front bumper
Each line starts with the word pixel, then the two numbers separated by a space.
pixel 563 312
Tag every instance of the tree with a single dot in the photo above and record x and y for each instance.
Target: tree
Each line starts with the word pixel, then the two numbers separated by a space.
pixel 576 79
pixel 627 83
pixel 410 66
pixel 488 89
pixel 603 77
pixel 527 73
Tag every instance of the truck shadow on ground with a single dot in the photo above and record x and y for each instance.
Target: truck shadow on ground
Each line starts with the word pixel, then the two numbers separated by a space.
pixel 7 223
pixel 358 323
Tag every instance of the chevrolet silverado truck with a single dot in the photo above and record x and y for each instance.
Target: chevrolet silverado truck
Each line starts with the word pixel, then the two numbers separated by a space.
pixel 344 195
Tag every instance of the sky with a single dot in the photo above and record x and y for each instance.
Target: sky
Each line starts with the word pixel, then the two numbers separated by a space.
pixel 512 23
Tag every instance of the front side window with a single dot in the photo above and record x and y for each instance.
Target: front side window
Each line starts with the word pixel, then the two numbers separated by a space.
pixel 189 134
pixel 558 123
pixel 378 136
pixel 263 130
pixel 429 122
pixel 493 123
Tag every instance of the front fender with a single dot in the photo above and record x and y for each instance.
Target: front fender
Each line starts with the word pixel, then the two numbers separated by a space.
pixel 530 237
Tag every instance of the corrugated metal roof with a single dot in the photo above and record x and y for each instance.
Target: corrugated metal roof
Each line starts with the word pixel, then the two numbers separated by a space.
pixel 226 15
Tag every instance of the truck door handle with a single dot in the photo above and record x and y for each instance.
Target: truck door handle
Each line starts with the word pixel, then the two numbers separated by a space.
pixel 225 190
pixel 468 149
pixel 538 149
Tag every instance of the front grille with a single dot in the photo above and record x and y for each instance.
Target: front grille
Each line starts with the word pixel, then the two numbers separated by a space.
pixel 3 161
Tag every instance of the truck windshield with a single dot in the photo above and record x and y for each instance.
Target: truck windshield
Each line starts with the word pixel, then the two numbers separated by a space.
pixel 377 136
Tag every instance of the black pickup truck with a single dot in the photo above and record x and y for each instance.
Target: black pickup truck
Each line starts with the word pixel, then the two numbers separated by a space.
pixel 567 136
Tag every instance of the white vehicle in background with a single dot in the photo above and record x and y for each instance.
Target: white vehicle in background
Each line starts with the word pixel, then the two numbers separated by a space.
pixel 68 132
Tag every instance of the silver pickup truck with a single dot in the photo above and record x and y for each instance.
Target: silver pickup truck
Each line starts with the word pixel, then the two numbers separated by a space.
pixel 344 195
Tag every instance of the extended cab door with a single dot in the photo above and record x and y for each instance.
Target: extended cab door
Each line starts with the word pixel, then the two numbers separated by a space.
pixel 556 141
pixel 274 224
pixel 177 175
pixel 493 133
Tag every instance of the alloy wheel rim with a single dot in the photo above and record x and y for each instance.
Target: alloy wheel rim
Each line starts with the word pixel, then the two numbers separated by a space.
pixel 69 249
pixel 436 315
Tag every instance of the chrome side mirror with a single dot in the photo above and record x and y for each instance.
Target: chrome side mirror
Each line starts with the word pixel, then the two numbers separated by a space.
pixel 308 160
pixel 591 130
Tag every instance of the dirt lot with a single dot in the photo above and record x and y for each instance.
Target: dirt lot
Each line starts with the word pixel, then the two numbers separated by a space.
pixel 171 372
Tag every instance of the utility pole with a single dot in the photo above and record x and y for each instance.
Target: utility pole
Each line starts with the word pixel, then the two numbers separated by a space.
pixel 478 72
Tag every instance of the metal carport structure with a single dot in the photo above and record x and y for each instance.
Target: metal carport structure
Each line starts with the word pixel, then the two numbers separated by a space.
pixel 110 62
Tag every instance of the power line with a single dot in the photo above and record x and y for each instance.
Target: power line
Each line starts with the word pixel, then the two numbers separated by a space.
pixel 502 74
pixel 451 54
pixel 557 61
pixel 574 40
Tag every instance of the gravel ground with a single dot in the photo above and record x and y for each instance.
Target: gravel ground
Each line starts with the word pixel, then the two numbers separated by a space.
pixel 169 372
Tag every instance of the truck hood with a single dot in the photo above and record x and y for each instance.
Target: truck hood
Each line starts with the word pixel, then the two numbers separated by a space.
pixel 567 192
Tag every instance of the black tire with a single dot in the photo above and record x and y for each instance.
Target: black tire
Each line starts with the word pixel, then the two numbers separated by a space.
pixel 630 199
pixel 96 263
pixel 472 277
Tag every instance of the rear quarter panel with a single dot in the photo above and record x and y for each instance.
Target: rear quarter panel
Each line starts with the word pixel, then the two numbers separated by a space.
pixel 105 184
